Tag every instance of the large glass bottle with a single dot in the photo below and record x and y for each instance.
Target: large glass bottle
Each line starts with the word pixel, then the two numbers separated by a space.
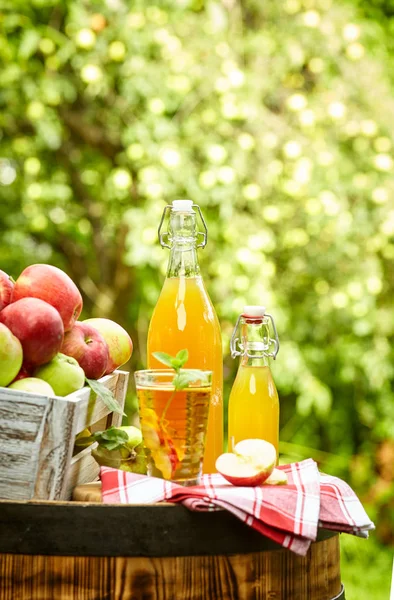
pixel 253 409
pixel 184 316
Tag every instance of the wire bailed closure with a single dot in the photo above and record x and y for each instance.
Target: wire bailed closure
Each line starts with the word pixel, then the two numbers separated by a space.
pixel 163 237
pixel 237 349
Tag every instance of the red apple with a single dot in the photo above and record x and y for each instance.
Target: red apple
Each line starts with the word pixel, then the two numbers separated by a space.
pixel 52 285
pixel 250 465
pixel 88 347
pixel 119 342
pixel 23 373
pixel 6 289
pixel 38 326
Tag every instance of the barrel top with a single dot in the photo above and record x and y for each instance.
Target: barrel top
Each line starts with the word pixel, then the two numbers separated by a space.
pixel 93 529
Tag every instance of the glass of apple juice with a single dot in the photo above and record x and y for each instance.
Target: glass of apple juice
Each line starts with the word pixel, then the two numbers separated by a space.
pixel 173 409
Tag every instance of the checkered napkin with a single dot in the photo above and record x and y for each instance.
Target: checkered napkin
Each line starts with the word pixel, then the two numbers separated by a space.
pixel 287 514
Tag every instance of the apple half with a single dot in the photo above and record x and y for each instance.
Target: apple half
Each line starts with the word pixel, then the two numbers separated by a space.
pixel 251 463
pixel 277 477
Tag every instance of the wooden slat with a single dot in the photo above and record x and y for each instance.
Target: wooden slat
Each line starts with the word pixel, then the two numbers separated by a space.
pixel 120 394
pixel 56 449
pixel 266 575
pixel 22 420
pixel 83 468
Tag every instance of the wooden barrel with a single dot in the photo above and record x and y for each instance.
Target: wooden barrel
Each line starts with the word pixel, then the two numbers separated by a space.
pixel 81 551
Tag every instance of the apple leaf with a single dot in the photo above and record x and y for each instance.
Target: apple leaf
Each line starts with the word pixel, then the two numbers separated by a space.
pixel 106 395
pixel 112 438
pixel 115 434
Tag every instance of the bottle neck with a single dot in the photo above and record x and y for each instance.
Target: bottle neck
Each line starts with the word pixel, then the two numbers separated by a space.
pixel 257 360
pixel 255 343
pixel 183 260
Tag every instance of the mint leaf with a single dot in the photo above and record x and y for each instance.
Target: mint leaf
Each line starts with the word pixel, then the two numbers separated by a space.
pixel 106 395
pixel 182 356
pixel 182 379
pixel 164 358
pixel 176 364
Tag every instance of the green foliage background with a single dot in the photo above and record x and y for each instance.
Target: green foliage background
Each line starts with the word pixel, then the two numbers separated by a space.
pixel 276 118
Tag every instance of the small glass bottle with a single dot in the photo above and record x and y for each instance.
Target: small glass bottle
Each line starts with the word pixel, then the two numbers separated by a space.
pixel 253 409
pixel 184 316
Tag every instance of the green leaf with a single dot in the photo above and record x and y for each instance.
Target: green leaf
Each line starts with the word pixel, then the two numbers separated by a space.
pixel 115 434
pixel 182 379
pixel 177 364
pixel 106 396
pixel 29 43
pixel 183 356
pixel 110 445
pixel 164 358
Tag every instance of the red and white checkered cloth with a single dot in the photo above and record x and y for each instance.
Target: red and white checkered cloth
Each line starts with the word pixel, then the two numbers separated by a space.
pixel 287 514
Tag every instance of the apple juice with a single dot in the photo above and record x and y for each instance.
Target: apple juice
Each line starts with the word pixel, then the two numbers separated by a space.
pixel 253 410
pixel 184 317
pixel 174 425
pixel 253 407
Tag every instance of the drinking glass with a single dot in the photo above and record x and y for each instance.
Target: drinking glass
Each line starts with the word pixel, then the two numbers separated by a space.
pixel 174 423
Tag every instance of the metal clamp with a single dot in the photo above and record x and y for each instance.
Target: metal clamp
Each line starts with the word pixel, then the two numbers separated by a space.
pixel 164 237
pixel 274 341
pixel 243 352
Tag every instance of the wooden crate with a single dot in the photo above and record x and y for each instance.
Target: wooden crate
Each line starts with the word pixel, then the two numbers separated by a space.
pixel 37 435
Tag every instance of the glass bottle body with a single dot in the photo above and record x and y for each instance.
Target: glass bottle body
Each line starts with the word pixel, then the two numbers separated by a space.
pixel 253 410
pixel 184 317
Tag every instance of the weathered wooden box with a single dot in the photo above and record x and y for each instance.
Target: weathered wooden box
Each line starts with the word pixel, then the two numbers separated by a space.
pixel 37 435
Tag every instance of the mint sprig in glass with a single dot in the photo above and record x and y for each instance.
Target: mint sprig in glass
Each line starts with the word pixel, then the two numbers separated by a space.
pixel 183 377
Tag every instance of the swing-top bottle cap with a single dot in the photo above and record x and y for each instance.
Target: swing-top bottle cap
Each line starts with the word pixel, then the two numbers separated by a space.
pixel 253 311
pixel 182 206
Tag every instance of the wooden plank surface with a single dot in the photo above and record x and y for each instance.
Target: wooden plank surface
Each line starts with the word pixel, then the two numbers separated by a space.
pixel 56 449
pixel 271 575
pixel 73 528
pixel 83 468
pixel 22 420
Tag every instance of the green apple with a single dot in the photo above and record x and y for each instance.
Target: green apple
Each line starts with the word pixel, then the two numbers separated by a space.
pixel 113 451
pixel 134 436
pixel 11 356
pixel 63 373
pixel 33 385
pixel 80 439
pixel 119 342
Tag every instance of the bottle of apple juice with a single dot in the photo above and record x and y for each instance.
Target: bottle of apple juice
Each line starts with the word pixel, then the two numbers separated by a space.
pixel 184 316
pixel 253 409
